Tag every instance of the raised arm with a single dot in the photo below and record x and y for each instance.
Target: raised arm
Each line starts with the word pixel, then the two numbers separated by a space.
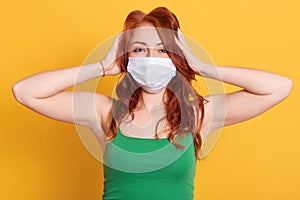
pixel 46 94
pixel 261 90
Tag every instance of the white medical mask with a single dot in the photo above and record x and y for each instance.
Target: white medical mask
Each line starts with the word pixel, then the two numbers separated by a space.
pixel 152 73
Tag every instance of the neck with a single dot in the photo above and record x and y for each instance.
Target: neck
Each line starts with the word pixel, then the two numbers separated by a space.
pixel 151 99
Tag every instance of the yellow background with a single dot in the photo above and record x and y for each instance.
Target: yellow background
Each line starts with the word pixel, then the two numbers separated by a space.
pixel 44 159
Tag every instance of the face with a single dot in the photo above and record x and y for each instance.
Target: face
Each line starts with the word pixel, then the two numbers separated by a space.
pixel 145 42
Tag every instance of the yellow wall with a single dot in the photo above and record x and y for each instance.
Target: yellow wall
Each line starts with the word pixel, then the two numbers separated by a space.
pixel 45 159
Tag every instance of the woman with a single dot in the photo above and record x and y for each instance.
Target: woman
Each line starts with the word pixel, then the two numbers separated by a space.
pixel 153 132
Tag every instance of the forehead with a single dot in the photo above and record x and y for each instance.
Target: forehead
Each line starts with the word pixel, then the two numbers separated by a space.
pixel 148 35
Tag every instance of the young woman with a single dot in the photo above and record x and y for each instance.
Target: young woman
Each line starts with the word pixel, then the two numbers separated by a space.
pixel 153 132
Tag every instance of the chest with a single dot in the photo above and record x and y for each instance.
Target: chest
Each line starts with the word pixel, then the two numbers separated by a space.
pixel 127 155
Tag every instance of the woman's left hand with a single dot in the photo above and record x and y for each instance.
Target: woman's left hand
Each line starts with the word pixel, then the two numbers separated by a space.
pixel 194 62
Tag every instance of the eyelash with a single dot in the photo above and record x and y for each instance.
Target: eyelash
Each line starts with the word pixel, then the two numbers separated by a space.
pixel 138 50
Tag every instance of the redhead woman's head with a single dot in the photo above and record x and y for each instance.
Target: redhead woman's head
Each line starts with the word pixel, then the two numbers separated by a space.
pixel 157 30
pixel 153 35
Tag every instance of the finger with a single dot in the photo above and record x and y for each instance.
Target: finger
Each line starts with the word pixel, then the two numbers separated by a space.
pixel 181 47
pixel 179 31
pixel 179 44
pixel 183 41
pixel 117 39
pixel 112 53
pixel 181 37
pixel 177 41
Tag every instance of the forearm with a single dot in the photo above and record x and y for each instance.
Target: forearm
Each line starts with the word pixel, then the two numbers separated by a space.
pixel 254 81
pixel 45 84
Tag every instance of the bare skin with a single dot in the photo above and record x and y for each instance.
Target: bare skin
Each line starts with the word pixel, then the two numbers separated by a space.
pixel 46 93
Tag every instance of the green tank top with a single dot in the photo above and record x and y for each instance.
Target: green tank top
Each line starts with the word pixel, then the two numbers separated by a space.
pixel 148 169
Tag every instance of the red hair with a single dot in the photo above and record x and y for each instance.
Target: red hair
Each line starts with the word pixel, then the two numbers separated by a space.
pixel 183 104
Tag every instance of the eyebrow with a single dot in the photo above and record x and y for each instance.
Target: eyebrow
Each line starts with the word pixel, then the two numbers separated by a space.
pixel 143 43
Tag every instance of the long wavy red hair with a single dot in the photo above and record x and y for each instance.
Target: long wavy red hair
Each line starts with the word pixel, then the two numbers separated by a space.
pixel 183 105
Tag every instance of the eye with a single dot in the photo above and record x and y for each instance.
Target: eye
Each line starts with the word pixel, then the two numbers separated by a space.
pixel 138 50
pixel 163 51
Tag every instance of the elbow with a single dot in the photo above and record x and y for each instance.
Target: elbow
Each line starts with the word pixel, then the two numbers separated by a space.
pixel 285 88
pixel 288 85
pixel 17 92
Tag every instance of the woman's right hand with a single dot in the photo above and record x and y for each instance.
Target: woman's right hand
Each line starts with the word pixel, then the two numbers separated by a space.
pixel 109 64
